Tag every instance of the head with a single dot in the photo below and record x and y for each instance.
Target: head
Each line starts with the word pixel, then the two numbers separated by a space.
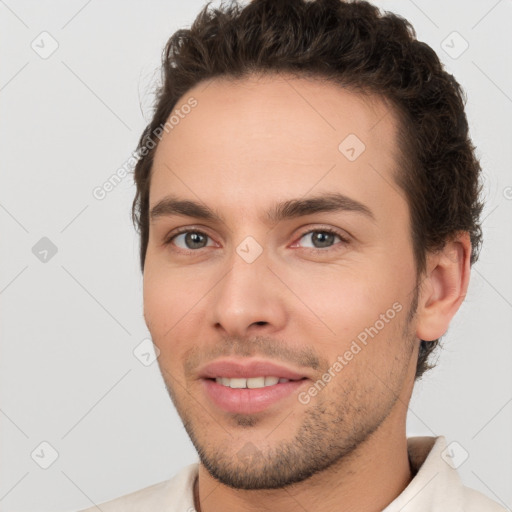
pixel 280 109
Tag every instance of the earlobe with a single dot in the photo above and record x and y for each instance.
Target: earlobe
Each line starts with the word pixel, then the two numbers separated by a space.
pixel 444 287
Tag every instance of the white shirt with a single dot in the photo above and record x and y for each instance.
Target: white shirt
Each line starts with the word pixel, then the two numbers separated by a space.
pixel 436 487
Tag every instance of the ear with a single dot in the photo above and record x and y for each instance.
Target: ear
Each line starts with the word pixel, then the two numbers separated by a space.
pixel 444 287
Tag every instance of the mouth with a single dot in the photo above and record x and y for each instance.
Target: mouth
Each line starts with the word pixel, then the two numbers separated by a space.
pixel 249 386
pixel 252 382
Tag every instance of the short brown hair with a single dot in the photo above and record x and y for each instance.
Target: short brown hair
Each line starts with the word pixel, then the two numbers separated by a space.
pixel 357 47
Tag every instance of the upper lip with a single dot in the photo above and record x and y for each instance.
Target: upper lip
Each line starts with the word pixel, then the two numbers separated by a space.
pixel 254 368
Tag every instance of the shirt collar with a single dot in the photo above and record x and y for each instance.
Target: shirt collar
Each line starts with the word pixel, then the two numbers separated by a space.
pixel 436 485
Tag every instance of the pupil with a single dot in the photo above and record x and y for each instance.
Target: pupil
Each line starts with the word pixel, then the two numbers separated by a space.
pixel 193 238
pixel 324 238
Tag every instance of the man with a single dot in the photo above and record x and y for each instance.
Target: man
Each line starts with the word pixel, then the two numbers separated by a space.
pixel 308 205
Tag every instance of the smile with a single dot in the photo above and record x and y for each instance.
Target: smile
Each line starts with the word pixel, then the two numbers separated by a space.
pixel 251 383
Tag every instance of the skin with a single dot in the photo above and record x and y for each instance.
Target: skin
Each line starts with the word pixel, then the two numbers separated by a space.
pixel 246 146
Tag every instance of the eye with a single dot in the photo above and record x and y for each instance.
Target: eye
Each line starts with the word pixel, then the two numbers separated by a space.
pixel 322 238
pixel 188 240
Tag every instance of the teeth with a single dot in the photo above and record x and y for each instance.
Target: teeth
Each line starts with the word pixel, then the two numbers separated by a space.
pixel 237 383
pixel 256 382
pixel 251 383
pixel 271 381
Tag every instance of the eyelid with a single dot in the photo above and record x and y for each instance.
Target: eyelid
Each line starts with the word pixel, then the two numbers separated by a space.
pixel 344 235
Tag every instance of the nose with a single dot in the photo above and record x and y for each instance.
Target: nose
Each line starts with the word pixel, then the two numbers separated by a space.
pixel 249 299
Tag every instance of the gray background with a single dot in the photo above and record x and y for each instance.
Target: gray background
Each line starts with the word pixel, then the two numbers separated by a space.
pixel 69 325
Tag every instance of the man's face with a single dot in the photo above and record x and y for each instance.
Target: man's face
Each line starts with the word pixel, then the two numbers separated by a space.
pixel 304 292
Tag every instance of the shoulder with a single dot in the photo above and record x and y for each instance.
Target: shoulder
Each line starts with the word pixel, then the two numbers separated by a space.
pixel 174 494
pixel 475 501
pixel 436 485
pixel 133 500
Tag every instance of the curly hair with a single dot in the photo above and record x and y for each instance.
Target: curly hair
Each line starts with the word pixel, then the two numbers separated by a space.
pixel 354 45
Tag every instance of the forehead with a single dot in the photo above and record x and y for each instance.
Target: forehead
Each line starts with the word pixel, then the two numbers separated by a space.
pixel 271 137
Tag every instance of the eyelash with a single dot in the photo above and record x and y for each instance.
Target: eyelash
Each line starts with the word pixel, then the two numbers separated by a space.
pixel 179 231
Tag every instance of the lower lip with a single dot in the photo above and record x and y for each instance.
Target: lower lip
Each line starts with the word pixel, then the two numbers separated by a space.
pixel 249 401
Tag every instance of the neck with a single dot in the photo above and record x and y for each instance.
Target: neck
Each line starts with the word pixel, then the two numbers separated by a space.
pixel 367 480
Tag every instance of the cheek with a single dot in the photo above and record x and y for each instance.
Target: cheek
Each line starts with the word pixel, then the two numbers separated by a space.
pixel 160 301
pixel 172 301
pixel 356 313
pixel 163 301
pixel 348 298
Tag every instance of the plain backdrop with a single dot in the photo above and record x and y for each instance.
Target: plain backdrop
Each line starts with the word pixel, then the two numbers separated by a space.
pixel 74 396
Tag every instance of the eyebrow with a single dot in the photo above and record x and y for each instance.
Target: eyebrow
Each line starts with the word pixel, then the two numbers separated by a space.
pixel 330 202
